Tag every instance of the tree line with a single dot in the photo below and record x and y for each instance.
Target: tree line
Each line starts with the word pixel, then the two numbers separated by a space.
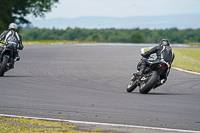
pixel 15 11
pixel 114 35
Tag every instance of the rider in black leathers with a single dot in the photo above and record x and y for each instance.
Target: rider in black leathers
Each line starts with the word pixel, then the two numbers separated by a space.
pixel 163 52
pixel 12 37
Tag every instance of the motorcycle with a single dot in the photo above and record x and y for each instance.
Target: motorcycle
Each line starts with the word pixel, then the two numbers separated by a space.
pixel 152 77
pixel 6 58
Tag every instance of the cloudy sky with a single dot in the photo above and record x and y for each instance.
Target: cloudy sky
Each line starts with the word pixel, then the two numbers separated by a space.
pixel 122 8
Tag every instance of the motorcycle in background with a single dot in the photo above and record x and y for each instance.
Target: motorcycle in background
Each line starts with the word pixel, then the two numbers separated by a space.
pixel 6 58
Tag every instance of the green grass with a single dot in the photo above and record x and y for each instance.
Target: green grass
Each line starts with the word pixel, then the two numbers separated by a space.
pixel 8 128
pixel 187 59
pixel 37 122
pixel 53 41
pixel 19 125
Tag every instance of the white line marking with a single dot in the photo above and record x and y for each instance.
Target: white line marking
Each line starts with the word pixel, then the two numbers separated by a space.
pixel 103 124
pixel 179 69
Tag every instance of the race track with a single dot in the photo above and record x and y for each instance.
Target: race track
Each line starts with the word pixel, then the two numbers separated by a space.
pixel 87 83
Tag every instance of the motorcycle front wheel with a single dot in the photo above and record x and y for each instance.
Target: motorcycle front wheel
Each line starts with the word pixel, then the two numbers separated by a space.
pixel 131 86
pixel 4 65
pixel 148 84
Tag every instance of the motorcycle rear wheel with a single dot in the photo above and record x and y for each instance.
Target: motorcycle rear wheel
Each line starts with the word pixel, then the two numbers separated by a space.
pixel 144 88
pixel 3 65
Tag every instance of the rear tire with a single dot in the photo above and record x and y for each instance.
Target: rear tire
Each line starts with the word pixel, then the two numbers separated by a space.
pixel 3 65
pixel 144 88
pixel 131 86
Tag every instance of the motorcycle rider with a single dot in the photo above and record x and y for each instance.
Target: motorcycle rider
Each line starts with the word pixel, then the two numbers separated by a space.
pixel 11 36
pixel 163 52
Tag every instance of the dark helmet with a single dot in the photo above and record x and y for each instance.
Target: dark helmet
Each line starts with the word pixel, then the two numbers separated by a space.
pixel 164 42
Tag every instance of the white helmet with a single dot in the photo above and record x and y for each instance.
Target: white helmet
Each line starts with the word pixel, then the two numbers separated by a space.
pixel 13 26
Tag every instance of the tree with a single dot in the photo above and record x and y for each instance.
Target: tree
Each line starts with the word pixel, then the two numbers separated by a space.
pixel 95 38
pixel 15 11
pixel 137 38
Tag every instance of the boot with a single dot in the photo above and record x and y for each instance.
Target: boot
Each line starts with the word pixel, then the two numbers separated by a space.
pixel 17 58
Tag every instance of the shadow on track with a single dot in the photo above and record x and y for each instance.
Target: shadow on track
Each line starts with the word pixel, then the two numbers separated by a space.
pixel 158 93
pixel 17 76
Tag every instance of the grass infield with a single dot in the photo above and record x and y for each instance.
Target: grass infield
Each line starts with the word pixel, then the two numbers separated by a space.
pixel 194 44
pixel 24 125
pixel 187 59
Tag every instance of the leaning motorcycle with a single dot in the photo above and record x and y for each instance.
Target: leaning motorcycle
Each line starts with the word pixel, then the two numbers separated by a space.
pixel 6 58
pixel 151 78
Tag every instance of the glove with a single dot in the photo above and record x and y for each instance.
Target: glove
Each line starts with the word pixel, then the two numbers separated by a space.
pixel 21 46
pixel 144 55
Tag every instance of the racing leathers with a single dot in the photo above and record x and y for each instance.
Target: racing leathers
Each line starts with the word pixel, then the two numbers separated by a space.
pixel 14 38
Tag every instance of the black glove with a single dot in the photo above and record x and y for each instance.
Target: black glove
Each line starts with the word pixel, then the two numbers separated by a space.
pixel 144 55
pixel 21 46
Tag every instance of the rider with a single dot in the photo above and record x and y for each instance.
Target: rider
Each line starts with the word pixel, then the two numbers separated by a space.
pixel 163 52
pixel 11 36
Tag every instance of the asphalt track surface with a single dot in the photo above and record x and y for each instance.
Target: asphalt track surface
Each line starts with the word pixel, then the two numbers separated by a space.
pixel 87 83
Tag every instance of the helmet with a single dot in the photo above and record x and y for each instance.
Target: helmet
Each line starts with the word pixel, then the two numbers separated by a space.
pixel 164 42
pixel 13 26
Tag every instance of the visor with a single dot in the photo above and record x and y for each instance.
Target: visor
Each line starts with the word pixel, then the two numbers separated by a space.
pixel 164 43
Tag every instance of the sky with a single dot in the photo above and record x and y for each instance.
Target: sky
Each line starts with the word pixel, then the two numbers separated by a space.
pixel 122 8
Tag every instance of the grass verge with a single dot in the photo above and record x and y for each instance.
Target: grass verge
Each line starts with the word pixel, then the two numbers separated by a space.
pixel 24 125
pixel 187 59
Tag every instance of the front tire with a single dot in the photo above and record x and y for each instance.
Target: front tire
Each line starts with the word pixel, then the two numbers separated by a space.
pixel 131 86
pixel 3 65
pixel 144 88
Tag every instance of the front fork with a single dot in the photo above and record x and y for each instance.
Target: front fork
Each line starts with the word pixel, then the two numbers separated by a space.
pixel 135 79
pixel 141 79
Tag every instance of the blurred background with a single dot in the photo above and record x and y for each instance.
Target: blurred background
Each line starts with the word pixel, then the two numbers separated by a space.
pixel 125 21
